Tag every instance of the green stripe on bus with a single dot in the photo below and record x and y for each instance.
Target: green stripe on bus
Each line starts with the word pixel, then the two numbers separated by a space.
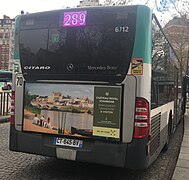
pixel 143 35
pixel 16 54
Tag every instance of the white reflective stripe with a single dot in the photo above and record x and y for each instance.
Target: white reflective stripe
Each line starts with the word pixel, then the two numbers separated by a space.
pixel 142 117
pixel 141 110
pixel 141 124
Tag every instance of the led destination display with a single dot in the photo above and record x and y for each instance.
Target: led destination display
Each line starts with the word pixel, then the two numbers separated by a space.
pixel 75 18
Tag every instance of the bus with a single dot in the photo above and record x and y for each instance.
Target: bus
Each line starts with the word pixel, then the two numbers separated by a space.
pixel 5 76
pixel 94 84
pixel 5 80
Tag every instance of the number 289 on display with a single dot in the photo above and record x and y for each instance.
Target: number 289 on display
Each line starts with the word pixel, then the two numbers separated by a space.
pixel 75 18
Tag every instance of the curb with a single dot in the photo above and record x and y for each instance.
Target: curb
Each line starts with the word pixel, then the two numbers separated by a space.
pixel 4 119
pixel 182 166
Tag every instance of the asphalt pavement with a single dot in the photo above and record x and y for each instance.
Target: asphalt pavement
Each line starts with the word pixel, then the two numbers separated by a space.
pixel 4 119
pixel 181 171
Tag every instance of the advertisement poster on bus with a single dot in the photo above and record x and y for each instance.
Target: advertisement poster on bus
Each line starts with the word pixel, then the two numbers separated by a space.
pixel 107 112
pixel 72 110
pixel 137 66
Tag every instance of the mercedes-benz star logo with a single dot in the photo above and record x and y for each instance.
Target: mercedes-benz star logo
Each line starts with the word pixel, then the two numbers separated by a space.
pixel 70 67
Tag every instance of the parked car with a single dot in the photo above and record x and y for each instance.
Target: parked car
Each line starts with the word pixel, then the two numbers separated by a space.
pixel 7 86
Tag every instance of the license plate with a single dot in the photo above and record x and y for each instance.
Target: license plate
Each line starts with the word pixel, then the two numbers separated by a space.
pixel 68 142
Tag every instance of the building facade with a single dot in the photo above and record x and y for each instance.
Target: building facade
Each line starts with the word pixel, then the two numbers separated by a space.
pixel 177 31
pixel 89 3
pixel 6 42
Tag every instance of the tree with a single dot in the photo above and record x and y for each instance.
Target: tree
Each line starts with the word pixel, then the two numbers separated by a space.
pixel 177 32
pixel 28 98
pixel 124 2
pixel 177 29
pixel 117 2
pixel 180 38
pixel 175 7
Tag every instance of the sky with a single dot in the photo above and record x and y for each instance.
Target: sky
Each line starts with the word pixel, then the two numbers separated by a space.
pixel 12 8
pixel 66 89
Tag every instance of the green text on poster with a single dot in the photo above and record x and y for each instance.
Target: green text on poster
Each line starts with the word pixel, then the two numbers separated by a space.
pixel 107 111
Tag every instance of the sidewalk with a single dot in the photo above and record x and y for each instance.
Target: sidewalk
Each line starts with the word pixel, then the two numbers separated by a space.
pixel 4 119
pixel 182 167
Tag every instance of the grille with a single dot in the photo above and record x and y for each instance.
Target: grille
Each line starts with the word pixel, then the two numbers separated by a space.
pixel 155 132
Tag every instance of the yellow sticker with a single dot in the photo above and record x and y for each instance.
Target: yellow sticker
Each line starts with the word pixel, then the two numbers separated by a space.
pixel 137 66
pixel 106 132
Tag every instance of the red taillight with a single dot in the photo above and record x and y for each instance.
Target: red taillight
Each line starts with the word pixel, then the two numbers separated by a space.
pixel 141 118
pixel 12 108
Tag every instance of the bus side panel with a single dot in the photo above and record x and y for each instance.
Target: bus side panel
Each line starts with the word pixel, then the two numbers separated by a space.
pixel 137 154
pixel 19 101
pixel 36 144
pixel 112 154
pixel 13 139
pixel 17 126
pixel 129 108
pixel 31 143
pixel 159 128
pixel 157 144
pixel 132 156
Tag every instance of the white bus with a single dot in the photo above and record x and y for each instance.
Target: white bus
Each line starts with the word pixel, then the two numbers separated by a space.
pixel 88 87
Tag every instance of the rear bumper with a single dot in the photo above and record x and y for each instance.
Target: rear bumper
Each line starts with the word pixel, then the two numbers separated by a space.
pixel 132 156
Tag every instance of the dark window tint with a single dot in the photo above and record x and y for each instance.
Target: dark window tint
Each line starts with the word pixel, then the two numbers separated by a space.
pixel 164 71
pixel 96 47
pixel 103 47
pixel 33 46
pixel 91 49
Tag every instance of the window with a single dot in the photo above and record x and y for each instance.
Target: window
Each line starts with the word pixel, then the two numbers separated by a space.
pixel 163 70
pixel 33 45
pixel 95 49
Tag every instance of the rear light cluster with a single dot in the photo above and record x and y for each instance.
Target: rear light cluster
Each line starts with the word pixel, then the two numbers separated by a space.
pixel 12 108
pixel 141 118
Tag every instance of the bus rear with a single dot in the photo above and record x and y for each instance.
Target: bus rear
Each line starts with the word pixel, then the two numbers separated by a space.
pixel 76 90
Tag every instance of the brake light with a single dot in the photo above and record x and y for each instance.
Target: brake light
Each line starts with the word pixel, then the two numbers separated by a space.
pixel 141 118
pixel 12 117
